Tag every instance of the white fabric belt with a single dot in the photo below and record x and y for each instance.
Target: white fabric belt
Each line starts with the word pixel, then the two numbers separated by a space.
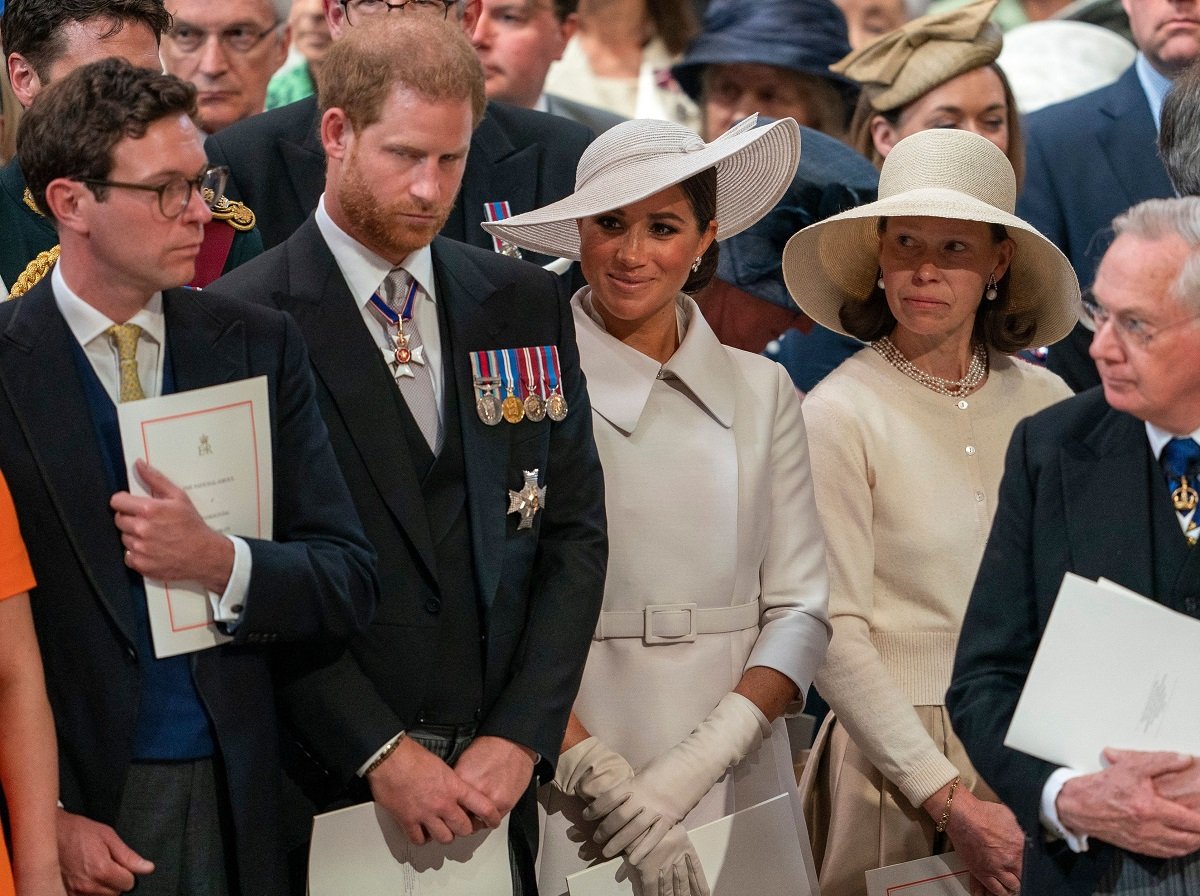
pixel 675 623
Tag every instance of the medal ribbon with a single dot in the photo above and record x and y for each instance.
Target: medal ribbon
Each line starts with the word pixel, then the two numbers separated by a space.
pixel 385 313
pixel 527 372
pixel 550 353
pixel 497 211
pixel 511 383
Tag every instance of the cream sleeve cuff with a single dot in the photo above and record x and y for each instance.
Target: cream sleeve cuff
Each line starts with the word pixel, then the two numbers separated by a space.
pixel 1049 812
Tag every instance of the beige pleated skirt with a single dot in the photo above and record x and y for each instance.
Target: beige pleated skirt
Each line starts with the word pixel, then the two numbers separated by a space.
pixel 858 820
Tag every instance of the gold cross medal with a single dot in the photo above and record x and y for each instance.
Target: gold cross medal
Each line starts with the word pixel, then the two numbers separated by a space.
pixel 528 501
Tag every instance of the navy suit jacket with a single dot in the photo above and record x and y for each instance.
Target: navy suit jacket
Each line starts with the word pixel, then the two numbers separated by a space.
pixel 540 588
pixel 277 167
pixel 315 580
pixel 1088 160
pixel 1081 493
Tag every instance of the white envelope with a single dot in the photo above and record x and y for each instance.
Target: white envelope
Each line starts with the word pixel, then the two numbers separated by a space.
pixel 1114 669
pixel 360 851
pixel 943 875
pixel 215 444
pixel 754 851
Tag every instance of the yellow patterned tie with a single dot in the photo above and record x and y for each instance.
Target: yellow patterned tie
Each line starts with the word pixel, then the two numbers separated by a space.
pixel 125 337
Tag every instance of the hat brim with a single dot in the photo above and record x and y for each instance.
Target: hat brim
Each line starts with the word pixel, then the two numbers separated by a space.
pixel 836 261
pixel 754 167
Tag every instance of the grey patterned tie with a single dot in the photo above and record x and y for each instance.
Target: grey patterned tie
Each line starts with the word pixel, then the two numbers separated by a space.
pixel 417 389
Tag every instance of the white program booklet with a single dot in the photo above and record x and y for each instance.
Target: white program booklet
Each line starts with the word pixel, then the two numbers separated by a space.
pixel 943 875
pixel 1114 669
pixel 215 444
pixel 756 850
pixel 361 851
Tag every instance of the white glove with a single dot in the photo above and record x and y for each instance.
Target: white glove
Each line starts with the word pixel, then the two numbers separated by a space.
pixel 670 785
pixel 672 868
pixel 590 769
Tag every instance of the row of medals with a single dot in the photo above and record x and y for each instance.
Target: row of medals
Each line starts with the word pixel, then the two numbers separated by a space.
pixel 492 409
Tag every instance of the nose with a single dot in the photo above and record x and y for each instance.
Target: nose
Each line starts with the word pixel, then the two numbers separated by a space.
pixel 629 248
pixel 426 183
pixel 481 37
pixel 926 271
pixel 214 59
pixel 1105 344
pixel 196 210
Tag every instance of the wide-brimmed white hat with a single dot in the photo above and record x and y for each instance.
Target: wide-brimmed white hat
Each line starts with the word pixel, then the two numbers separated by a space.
pixel 938 173
pixel 639 158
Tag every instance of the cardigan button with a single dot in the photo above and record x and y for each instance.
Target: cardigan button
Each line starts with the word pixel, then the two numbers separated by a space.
pixel 971 450
pixel 963 405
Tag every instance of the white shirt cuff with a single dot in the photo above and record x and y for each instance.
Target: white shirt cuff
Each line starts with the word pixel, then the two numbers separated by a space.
pixel 362 769
pixel 229 606
pixel 1049 812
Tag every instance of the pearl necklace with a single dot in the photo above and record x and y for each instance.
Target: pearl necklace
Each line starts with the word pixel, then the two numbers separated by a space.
pixel 953 388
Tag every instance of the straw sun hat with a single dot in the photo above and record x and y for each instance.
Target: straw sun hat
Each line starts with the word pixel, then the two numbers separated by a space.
pixel 639 158
pixel 937 173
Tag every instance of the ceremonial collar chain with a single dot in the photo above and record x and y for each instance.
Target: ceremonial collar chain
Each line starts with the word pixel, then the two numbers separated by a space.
pixel 953 388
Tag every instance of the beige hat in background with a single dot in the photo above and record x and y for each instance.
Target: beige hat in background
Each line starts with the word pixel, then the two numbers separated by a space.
pixel 936 173
pixel 907 63
pixel 639 158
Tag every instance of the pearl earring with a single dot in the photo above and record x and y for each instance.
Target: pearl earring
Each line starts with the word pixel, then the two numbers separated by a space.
pixel 992 292
pixel 696 264
pixel 879 282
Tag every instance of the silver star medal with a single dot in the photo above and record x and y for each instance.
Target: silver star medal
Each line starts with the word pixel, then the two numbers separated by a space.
pixel 528 500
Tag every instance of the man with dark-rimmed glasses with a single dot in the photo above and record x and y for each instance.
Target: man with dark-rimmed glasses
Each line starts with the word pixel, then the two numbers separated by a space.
pixel 228 49
pixel 169 774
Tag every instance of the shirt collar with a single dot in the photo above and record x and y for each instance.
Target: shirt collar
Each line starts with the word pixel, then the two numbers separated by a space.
pixel 87 324
pixel 1159 438
pixel 542 104
pixel 364 270
pixel 1155 85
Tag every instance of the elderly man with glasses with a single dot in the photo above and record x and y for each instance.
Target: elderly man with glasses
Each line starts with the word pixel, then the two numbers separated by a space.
pixel 519 159
pixel 228 49
pixel 1104 485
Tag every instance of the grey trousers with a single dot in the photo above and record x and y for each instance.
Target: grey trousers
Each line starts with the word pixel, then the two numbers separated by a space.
pixel 1176 877
pixel 170 814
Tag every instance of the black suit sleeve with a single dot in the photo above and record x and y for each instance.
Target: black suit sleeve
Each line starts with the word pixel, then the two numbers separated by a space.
pixel 317 577
pixel 1000 636
pixel 566 583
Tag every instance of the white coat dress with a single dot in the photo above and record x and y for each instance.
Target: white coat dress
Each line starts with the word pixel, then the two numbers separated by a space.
pixel 710 502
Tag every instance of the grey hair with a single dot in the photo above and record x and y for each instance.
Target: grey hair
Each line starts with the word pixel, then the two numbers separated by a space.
pixel 1179 136
pixel 1157 219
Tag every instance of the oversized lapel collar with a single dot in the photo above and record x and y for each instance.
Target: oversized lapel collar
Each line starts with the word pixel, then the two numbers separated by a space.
pixel 351 368
pixel 304 163
pixel 620 378
pixel 463 291
pixel 1130 143
pixel 40 379
pixel 1106 507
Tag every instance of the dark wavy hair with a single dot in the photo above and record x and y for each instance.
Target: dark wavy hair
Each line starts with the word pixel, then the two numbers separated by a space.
pixel 72 128
pixel 996 324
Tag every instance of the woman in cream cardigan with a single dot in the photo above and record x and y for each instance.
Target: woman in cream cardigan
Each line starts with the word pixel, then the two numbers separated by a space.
pixel 908 439
pixel 714 606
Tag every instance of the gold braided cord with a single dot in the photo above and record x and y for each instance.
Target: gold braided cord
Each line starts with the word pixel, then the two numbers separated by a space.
pixel 34 271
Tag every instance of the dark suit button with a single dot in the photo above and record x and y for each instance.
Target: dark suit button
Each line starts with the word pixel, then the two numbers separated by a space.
pixel 131 653
pixel 433 606
pixel 421 720
pixel 478 714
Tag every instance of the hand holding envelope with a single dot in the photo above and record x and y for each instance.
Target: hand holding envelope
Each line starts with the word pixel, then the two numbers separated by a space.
pixel 165 537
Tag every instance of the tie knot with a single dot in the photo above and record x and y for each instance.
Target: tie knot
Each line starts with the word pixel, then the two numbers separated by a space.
pixel 125 337
pixel 1180 457
pixel 394 288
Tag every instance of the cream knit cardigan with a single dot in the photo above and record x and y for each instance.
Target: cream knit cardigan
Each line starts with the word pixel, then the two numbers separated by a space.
pixel 906 483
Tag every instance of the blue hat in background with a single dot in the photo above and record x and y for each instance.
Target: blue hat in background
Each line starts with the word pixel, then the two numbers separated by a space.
pixel 805 36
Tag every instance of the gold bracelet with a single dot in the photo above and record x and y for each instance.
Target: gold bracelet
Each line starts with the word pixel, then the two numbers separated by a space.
pixel 940 827
pixel 385 752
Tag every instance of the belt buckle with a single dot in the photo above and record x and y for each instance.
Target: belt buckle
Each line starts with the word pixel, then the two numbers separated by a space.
pixel 653 611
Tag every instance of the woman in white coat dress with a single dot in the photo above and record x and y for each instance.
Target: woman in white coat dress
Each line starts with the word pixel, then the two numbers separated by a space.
pixel 714 615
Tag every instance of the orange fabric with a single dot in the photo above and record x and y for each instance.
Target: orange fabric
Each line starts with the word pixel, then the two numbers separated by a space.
pixel 16 575
pixel 7 888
